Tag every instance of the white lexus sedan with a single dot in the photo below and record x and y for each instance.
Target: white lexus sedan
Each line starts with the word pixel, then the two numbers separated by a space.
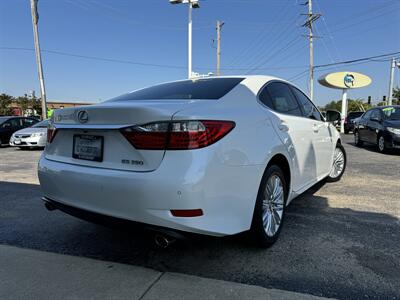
pixel 214 156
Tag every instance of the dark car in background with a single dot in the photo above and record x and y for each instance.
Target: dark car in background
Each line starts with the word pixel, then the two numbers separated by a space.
pixel 9 125
pixel 349 120
pixel 379 126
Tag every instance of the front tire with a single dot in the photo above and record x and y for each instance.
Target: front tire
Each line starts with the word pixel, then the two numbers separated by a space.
pixel 270 207
pixel 381 143
pixel 338 165
pixel 357 140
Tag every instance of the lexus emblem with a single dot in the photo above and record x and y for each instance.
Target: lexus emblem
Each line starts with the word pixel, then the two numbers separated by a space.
pixel 83 116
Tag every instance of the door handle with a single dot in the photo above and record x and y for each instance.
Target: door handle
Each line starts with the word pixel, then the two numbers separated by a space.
pixel 315 128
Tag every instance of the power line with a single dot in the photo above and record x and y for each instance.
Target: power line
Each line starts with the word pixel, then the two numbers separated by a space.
pixel 357 60
pixel 366 59
pixel 113 60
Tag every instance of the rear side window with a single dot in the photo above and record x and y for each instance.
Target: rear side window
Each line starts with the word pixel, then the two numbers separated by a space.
pixel 278 96
pixel 310 111
pixel 207 88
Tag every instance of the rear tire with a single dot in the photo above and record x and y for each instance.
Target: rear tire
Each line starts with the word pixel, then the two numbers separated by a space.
pixel 269 211
pixel 338 165
pixel 357 140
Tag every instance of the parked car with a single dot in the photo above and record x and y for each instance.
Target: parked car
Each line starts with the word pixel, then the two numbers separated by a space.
pixel 9 125
pixel 379 126
pixel 31 137
pixel 214 156
pixel 349 120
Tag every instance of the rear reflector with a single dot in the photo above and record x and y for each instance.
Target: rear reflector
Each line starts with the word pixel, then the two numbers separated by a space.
pixel 187 213
pixel 177 135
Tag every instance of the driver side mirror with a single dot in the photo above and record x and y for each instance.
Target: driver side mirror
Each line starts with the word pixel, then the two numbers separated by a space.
pixel 333 116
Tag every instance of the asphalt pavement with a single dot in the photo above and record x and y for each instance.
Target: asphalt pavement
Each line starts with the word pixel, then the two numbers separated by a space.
pixel 339 240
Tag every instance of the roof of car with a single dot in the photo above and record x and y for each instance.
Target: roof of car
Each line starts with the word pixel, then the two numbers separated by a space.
pixel 388 106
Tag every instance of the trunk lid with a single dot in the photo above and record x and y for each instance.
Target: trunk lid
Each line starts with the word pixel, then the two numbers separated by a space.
pixel 102 123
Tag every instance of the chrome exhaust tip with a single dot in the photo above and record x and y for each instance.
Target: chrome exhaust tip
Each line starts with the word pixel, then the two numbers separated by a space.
pixel 163 241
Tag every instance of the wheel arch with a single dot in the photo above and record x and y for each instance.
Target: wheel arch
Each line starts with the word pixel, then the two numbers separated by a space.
pixel 281 161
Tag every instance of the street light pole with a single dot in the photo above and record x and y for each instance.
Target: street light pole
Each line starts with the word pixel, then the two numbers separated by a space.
pixel 190 41
pixel 392 67
pixel 344 110
pixel 192 4
pixel 35 19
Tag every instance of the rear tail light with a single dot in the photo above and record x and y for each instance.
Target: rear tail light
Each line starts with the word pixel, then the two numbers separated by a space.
pixel 177 135
pixel 51 133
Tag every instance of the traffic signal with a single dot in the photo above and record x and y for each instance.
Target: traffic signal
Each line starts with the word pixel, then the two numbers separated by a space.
pixel 369 100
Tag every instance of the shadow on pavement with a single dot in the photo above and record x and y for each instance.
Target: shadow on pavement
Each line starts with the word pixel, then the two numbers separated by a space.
pixel 324 251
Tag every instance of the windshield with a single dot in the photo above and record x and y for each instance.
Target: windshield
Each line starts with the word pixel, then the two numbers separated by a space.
pixel 42 124
pixel 391 113
pixel 208 88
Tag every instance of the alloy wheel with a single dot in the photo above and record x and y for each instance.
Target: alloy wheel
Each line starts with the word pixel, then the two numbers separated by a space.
pixel 272 206
pixel 338 163
pixel 381 144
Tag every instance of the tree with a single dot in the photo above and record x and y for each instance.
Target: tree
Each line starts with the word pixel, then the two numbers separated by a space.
pixel 23 102
pixel 396 95
pixel 352 105
pixel 5 104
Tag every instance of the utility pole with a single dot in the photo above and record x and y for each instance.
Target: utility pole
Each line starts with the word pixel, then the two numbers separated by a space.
pixel 190 41
pixel 392 67
pixel 311 18
pixel 219 27
pixel 35 19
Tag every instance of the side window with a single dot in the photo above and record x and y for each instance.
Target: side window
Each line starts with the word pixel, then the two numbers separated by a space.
pixel 6 125
pixel 310 111
pixel 376 114
pixel 15 123
pixel 367 115
pixel 281 99
pixel 28 122
pixel 265 98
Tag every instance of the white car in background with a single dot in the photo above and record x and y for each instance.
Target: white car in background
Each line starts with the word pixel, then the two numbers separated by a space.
pixel 31 137
pixel 214 156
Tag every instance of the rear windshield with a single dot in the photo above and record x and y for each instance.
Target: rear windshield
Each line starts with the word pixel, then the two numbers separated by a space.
pixel 209 88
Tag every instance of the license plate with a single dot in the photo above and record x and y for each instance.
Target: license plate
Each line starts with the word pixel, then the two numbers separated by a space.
pixel 88 147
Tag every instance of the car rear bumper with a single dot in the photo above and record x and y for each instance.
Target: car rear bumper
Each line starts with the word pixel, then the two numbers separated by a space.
pixel 226 194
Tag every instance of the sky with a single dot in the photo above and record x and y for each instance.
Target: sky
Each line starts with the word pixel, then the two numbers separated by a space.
pixel 94 50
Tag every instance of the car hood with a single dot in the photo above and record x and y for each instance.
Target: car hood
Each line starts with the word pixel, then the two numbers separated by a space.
pixel 31 130
pixel 392 123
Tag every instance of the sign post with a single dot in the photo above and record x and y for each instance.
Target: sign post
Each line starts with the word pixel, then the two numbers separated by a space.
pixel 344 81
pixel 344 110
